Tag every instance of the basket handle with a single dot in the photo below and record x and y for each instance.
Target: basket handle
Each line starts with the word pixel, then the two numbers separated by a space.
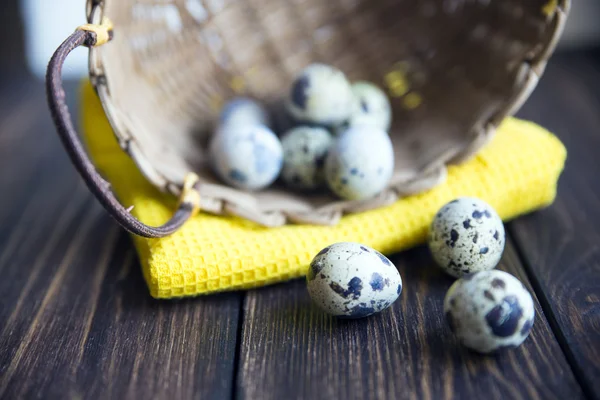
pixel 94 35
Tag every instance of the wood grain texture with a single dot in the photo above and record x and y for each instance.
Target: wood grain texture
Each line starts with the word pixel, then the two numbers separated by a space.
pixel 290 349
pixel 561 245
pixel 76 319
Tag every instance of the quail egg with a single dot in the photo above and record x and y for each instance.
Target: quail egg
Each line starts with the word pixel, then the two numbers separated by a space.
pixel 245 156
pixel 489 310
pixel 351 280
pixel 322 95
pixel 360 163
pixel 372 106
pixel 466 236
pixel 305 149
pixel 244 111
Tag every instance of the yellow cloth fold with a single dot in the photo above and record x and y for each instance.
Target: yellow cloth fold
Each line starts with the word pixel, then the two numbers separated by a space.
pixel 516 173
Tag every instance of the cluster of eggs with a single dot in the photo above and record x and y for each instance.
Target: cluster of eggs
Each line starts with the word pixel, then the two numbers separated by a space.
pixel 487 309
pixel 340 140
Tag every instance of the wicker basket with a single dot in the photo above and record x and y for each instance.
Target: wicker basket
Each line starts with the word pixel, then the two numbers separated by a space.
pixel 454 69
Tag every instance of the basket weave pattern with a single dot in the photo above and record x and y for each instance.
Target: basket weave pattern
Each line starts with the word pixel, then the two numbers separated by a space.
pixel 453 69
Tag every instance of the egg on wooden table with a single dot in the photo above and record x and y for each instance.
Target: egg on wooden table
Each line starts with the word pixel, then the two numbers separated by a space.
pixel 351 280
pixel 466 235
pixel 489 311
pixel 360 163
pixel 321 94
pixel 245 156
pixel 305 149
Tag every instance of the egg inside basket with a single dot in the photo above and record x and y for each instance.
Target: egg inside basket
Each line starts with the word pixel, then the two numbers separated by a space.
pixel 453 70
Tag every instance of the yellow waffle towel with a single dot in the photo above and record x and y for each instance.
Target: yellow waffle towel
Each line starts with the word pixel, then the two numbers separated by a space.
pixel 516 173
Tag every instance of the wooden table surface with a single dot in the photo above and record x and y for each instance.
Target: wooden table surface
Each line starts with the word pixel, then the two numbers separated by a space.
pixel 76 320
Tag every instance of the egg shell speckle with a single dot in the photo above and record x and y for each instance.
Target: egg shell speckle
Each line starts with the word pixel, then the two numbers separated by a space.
pixel 466 236
pixel 305 150
pixel 360 163
pixel 351 280
pixel 372 106
pixel 489 311
pixel 246 157
pixel 244 111
pixel 321 94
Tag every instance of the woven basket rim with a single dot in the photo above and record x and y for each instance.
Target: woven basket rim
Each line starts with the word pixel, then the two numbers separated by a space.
pixel 529 73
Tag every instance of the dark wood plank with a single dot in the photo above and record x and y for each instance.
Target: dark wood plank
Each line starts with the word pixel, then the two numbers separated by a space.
pixel 76 320
pixel 289 349
pixel 12 25
pixel 561 245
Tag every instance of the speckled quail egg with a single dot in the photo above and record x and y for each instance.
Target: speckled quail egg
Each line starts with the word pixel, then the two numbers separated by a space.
pixel 372 106
pixel 245 156
pixel 489 310
pixel 305 149
pixel 322 95
pixel 466 236
pixel 352 280
pixel 360 163
pixel 244 111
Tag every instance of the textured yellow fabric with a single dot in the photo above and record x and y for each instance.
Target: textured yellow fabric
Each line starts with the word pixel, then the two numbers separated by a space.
pixel 516 173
